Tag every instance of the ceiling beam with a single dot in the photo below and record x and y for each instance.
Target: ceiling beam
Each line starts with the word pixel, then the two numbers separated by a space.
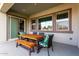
pixel 4 7
pixel 17 14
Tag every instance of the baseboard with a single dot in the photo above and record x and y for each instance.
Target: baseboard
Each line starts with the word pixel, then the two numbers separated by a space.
pixel 12 39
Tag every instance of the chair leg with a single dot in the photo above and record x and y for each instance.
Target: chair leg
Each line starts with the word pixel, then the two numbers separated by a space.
pixel 33 49
pixel 48 51
pixel 16 44
pixel 39 48
pixel 30 52
pixel 52 47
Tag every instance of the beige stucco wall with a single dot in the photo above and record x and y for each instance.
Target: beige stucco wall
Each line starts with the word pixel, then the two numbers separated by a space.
pixel 78 25
pixel 64 37
pixel 3 36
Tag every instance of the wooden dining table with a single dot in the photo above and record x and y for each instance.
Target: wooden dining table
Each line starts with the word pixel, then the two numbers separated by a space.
pixel 34 37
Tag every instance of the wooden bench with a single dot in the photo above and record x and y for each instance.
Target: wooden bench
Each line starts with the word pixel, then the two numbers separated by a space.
pixel 27 44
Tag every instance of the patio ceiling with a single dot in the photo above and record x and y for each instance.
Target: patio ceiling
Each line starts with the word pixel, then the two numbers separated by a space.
pixel 28 9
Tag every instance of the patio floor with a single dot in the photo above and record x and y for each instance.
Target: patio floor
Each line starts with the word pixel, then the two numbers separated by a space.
pixel 9 49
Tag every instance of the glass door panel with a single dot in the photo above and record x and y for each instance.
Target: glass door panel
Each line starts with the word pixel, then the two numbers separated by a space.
pixel 14 27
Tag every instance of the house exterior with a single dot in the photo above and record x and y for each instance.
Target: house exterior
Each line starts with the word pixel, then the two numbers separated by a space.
pixel 70 37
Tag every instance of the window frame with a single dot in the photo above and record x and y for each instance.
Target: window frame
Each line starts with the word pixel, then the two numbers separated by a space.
pixel 70 21
pixel 54 22
pixel 45 30
pixel 31 24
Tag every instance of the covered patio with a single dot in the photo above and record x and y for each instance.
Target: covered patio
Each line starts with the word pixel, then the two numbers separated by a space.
pixel 59 19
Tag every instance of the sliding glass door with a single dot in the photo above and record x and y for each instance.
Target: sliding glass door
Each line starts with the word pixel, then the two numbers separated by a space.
pixel 14 27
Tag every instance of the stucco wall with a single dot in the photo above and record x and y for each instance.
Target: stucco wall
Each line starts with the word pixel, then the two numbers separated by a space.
pixel 64 37
pixel 78 25
pixel 2 27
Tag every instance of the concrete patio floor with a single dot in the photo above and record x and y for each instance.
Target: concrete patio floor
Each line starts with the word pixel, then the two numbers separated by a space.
pixel 9 49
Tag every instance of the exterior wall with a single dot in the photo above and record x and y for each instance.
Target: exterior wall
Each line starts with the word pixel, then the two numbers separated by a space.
pixel 78 25
pixel 3 35
pixel 8 27
pixel 25 25
pixel 64 37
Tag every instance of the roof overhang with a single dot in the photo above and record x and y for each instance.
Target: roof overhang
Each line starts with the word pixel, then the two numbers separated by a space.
pixel 4 7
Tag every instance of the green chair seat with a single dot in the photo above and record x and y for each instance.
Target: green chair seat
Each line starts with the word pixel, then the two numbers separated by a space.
pixel 44 43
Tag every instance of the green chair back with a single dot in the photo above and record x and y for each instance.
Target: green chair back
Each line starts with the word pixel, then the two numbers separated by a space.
pixel 22 33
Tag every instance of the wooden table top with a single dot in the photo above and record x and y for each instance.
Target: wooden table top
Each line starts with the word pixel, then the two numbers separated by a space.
pixel 32 36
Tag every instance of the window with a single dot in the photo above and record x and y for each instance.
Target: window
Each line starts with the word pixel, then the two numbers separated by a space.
pixel 45 24
pixel 33 24
pixel 55 22
pixel 62 21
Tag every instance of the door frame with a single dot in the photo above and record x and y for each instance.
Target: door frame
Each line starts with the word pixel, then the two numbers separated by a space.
pixel 18 24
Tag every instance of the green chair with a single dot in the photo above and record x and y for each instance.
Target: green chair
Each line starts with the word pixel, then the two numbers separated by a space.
pixel 20 33
pixel 46 43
